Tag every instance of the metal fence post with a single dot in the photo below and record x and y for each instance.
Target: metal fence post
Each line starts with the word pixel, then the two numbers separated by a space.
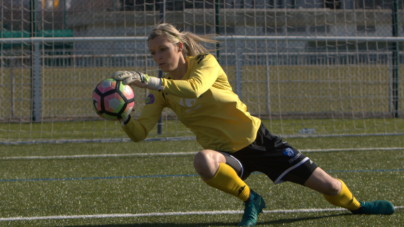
pixel 12 82
pixel 217 25
pixel 36 84
pixel 162 20
pixel 395 56
pixel 268 82
pixel 239 67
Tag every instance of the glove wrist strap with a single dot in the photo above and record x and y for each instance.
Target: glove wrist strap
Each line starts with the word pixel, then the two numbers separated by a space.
pixel 125 121
pixel 154 84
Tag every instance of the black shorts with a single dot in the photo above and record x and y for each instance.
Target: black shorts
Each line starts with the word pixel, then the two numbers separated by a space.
pixel 270 155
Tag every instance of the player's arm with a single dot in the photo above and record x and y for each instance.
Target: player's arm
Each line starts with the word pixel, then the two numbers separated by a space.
pixel 200 80
pixel 138 79
pixel 137 130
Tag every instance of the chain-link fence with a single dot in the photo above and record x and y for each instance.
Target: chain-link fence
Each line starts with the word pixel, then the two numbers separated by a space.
pixel 286 59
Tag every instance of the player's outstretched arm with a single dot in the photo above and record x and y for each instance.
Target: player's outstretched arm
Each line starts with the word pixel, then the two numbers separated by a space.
pixel 138 129
pixel 138 79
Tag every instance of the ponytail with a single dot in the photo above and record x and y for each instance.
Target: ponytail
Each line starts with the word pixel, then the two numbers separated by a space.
pixel 192 42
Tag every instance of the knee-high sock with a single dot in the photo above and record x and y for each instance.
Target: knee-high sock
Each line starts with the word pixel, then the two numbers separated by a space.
pixel 227 180
pixel 344 199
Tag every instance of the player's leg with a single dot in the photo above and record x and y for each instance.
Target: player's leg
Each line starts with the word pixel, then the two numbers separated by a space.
pixel 224 172
pixel 337 193
pixel 211 166
pixel 334 190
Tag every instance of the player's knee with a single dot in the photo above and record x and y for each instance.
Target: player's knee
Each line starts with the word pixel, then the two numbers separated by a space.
pixel 332 188
pixel 201 161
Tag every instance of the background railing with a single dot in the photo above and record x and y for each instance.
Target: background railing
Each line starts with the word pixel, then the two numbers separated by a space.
pixel 332 66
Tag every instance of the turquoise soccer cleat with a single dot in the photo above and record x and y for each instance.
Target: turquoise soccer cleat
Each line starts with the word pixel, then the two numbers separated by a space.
pixel 253 206
pixel 375 207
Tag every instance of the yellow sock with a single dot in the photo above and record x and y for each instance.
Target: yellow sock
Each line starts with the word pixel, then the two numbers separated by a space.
pixel 227 180
pixel 344 199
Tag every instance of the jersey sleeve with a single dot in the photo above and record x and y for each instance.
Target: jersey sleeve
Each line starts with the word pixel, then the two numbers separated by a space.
pixel 137 130
pixel 205 70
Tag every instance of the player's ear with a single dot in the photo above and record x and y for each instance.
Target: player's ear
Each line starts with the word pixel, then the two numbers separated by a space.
pixel 180 46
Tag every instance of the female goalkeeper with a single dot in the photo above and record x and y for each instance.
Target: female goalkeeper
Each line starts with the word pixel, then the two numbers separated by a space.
pixel 234 143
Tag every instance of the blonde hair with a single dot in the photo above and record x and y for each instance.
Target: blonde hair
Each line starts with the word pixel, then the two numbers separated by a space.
pixel 192 42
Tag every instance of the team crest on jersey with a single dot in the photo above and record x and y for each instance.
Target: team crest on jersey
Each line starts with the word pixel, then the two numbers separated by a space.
pixel 150 99
pixel 289 152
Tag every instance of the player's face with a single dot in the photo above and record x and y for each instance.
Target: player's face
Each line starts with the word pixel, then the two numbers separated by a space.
pixel 164 53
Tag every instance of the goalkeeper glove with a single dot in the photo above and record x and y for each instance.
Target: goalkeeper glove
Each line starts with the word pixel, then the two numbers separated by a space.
pixel 138 79
pixel 125 120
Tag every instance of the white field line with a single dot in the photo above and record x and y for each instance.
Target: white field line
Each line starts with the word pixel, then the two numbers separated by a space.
pixel 167 214
pixel 183 153
pixel 99 155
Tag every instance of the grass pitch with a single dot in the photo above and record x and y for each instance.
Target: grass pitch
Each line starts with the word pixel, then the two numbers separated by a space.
pixel 40 188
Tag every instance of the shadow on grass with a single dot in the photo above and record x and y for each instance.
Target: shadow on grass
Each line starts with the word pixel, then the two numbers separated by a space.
pixel 291 220
pixel 279 221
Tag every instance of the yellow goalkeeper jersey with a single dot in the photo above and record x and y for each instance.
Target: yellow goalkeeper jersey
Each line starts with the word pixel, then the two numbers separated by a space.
pixel 204 102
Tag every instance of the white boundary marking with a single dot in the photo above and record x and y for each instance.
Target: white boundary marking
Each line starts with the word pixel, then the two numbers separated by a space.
pixel 167 214
pixel 355 149
pixel 98 156
pixel 183 153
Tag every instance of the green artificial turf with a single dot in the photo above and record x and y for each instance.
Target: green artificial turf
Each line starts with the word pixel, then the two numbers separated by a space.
pixel 162 184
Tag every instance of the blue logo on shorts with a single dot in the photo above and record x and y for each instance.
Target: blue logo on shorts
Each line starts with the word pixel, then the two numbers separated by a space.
pixel 289 152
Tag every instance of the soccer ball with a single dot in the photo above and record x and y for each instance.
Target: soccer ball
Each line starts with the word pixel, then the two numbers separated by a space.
pixel 112 100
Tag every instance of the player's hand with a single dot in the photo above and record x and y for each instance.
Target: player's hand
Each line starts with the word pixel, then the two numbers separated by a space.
pixel 138 79
pixel 132 78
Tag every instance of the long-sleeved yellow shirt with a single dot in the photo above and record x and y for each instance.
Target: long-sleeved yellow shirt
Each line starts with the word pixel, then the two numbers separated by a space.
pixel 204 102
